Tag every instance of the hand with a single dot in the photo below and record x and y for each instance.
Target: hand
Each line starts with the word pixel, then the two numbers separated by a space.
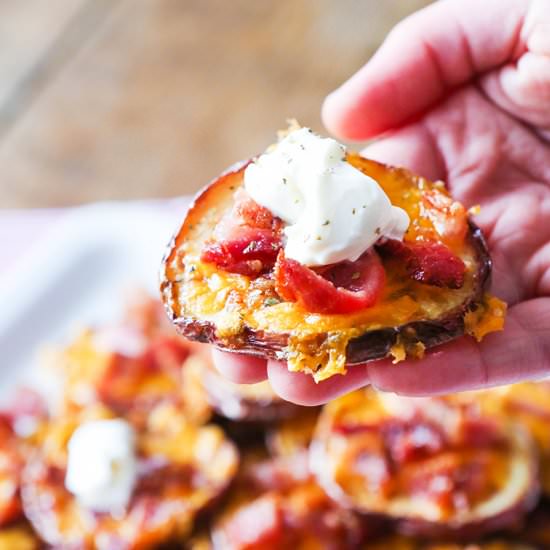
pixel 459 91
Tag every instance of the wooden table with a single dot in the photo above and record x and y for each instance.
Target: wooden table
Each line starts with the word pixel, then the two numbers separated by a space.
pixel 118 99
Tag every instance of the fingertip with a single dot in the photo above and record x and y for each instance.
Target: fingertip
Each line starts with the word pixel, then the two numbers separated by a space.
pixel 300 388
pixel 239 368
pixel 332 115
pixel 344 112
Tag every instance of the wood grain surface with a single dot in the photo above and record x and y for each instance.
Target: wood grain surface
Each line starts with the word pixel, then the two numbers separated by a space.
pixel 119 99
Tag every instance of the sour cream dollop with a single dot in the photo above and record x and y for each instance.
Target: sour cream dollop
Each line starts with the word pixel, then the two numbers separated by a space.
pixel 333 211
pixel 102 465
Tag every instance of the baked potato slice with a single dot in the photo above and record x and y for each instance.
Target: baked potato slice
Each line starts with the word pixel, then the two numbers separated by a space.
pixel 439 467
pixel 245 314
pixel 134 365
pixel 182 469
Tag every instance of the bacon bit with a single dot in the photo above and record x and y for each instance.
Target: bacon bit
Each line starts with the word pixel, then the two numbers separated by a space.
pixel 251 214
pixel 247 240
pixel 240 256
pixel 333 290
pixel 481 432
pixel 408 442
pixel 453 480
pixel 260 524
pixel 124 374
pixel 431 263
pixel 11 465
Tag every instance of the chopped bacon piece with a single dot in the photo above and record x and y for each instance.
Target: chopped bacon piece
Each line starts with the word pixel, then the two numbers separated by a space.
pixel 259 525
pixel 412 441
pixel 251 214
pixel 11 465
pixel 453 480
pixel 346 287
pixel 429 262
pixel 251 254
pixel 247 240
pixel 133 381
pixel 167 353
pixel 480 431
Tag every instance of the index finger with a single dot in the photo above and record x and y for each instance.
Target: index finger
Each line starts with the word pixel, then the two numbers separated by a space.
pixel 426 55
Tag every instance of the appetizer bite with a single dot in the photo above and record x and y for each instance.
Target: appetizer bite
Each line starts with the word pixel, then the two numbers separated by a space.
pixel 97 481
pixel 438 466
pixel 323 258
pixel 134 365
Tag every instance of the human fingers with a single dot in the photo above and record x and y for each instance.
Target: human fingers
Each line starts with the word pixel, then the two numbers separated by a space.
pixel 426 55
pixel 520 352
pixel 239 368
pixel 523 88
pixel 300 388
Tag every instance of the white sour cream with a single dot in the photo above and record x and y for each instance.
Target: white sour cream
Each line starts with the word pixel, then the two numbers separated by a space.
pixel 333 211
pixel 102 465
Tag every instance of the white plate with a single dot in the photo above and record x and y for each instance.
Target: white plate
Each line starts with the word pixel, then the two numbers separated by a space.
pixel 79 275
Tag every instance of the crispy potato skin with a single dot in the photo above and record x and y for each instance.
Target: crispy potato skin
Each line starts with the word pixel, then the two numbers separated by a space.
pixel 176 482
pixel 166 368
pixel 344 435
pixel 371 345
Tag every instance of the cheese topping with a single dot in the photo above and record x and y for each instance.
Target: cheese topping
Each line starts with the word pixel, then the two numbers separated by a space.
pixel 334 212
pixel 102 465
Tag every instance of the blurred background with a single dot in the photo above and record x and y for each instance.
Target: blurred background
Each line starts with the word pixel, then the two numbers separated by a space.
pixel 126 99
